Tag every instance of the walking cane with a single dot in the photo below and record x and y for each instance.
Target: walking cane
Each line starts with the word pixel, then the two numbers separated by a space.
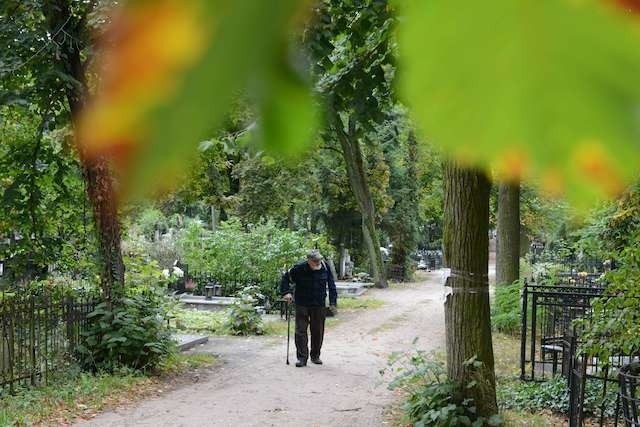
pixel 288 329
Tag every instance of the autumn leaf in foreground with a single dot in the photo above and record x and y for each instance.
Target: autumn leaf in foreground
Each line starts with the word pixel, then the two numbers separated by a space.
pixel 168 74
pixel 144 51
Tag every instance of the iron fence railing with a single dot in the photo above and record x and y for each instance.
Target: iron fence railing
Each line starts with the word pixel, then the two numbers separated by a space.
pixel 586 263
pixel 550 347
pixel 40 332
pixel 547 316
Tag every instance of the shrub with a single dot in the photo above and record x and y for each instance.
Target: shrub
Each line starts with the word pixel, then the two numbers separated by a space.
pixel 243 318
pixel 130 333
pixel 258 254
pixel 433 400
pixel 614 326
pixel 506 308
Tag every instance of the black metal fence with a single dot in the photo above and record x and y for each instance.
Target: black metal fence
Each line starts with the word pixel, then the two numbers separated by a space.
pixel 550 344
pixel 430 259
pixel 222 287
pixel 629 382
pixel 571 262
pixel 547 316
pixel 40 332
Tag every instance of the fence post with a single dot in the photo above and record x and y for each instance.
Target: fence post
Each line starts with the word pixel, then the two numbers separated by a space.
pixel 534 315
pixel 523 334
pixel 32 338
pixel 67 307
pixel 11 343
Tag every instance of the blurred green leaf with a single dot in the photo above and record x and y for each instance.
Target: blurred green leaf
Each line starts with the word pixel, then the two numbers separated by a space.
pixel 287 114
pixel 548 88
pixel 246 37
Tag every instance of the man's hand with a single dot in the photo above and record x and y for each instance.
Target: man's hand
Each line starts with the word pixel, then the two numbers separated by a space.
pixel 333 309
pixel 288 298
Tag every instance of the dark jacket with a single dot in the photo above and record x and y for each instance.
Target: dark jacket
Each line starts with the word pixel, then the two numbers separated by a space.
pixel 311 286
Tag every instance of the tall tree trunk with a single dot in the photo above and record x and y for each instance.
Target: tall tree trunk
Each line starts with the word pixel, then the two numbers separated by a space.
pixel 403 231
pixel 96 170
pixel 508 248
pixel 467 317
pixel 357 178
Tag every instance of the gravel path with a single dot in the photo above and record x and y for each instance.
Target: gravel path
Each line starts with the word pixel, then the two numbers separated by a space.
pixel 252 386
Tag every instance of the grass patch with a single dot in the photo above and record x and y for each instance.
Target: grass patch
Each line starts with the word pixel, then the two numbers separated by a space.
pixel 211 322
pixel 279 327
pixel 76 394
pixel 359 303
pixel 506 350
pixel 527 419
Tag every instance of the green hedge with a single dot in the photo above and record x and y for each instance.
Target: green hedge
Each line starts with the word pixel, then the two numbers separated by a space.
pixel 258 253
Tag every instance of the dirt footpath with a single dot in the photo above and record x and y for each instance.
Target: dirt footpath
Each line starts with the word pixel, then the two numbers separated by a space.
pixel 252 386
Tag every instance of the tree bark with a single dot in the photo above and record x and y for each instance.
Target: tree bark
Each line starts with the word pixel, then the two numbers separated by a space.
pixel 508 245
pixel 467 316
pixel 96 170
pixel 357 178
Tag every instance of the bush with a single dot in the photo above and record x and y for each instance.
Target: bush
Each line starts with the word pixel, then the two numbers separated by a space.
pixel 233 255
pixel 243 318
pixel 433 400
pixel 614 326
pixel 131 333
pixel 506 308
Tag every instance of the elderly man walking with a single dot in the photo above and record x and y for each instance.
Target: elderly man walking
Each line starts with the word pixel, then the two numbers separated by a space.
pixel 311 278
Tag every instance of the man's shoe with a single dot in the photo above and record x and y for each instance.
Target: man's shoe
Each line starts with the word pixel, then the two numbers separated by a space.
pixel 301 363
pixel 317 361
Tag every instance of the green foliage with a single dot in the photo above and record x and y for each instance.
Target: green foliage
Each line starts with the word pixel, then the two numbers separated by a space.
pixel 614 326
pixel 553 395
pixel 552 99
pixel 45 215
pixel 142 274
pixel 150 221
pixel 132 332
pixel 433 400
pixel 541 217
pixel 65 397
pixel 212 322
pixel 257 254
pixel 73 393
pixel 273 189
pixel 401 222
pixel 243 319
pixel 506 308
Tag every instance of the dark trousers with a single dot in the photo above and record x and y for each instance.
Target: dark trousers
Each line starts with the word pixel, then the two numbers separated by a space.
pixel 309 318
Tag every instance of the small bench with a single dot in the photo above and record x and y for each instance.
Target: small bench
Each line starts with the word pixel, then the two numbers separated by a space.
pixel 554 349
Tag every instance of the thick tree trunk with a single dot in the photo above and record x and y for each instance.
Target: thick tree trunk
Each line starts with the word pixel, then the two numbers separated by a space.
pixel 358 180
pixel 467 317
pixel 96 170
pixel 508 249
